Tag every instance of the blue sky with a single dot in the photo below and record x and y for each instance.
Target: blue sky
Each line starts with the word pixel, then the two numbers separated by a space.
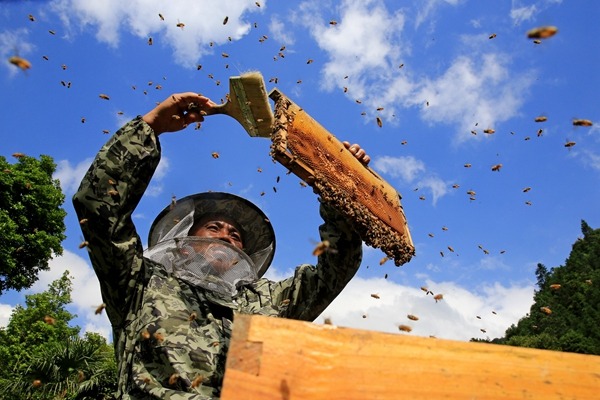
pixel 435 68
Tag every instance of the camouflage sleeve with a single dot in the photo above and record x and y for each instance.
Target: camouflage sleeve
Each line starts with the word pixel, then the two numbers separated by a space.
pixel 313 288
pixel 104 202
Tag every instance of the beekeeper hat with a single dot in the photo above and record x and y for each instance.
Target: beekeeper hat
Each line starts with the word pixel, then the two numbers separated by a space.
pixel 258 236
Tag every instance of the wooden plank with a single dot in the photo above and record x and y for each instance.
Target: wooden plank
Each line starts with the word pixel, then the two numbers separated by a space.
pixel 275 358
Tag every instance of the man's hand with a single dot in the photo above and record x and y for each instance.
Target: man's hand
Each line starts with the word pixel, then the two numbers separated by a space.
pixel 177 112
pixel 358 152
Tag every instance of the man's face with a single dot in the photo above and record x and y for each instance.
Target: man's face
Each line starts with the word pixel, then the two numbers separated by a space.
pixel 220 228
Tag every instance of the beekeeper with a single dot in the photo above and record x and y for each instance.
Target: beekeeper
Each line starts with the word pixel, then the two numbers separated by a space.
pixel 171 307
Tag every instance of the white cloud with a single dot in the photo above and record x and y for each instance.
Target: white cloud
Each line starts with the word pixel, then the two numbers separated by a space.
pixel 454 317
pixel 85 293
pixel 404 167
pixel 5 314
pixel 522 14
pixel 203 22
pixel 470 92
pixel 70 177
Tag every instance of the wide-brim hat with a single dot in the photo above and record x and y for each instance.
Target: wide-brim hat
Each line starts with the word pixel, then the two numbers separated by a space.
pixel 258 236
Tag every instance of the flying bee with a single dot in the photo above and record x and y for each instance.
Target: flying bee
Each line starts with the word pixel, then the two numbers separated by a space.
pixel 404 328
pixel 537 41
pixel 438 297
pixel 444 228
pixel 569 144
pixel 145 335
pixel 332 22
pixel 31 18
pixel 225 20
pixel 483 330
pixel 83 221
pixel 161 17
pixel 214 155
pixel 180 25
pixel 542 32
pixel 496 167
pixel 257 4
pixel 197 381
pixel 467 165
pixel 158 336
pixel 582 122
pixel 412 317
pixel 100 308
pixel 104 96
pixel 379 122
pixel 489 131
pixel 493 35
pixel 383 260
pixel 375 296
pixel 310 61
pixel 83 244
pixel 451 249
pixel 173 379
pixel 323 247
pixel 49 320
pixel 149 41
pixel 555 286
pixel 20 62
pixel 471 192
pixel 528 203
pixel 225 55
pixel 455 186
pixel 541 118
pixel 527 189
pixel 546 310
pixel 540 132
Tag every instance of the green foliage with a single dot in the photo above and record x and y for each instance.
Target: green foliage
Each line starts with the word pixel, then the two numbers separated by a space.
pixel 45 359
pixel 565 313
pixel 31 220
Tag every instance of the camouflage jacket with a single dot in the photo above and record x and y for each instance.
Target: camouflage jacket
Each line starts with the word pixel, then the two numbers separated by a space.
pixel 171 338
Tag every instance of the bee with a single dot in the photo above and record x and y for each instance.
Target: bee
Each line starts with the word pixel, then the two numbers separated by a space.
pixel 379 122
pixel 100 308
pixel 473 132
pixel 225 20
pixel 197 381
pixel 537 41
pixel 421 197
pixel 225 55
pixel 426 290
pixel 375 296
pixel 52 32
pixel 540 132
pixel 541 118
pixel 104 96
pixel 49 320
pixel 582 122
pixel 83 221
pixel 569 144
pixel 180 25
pixel 442 253
pixel 527 138
pixel 285 302
pixel 401 66
pixel 467 165
pixel 438 297
pixel 404 142
pixel 327 321
pixel 451 249
pixel 257 4
pixel 430 235
pixel 310 61
pixel 83 244
pixel 555 286
pixel 358 101
pixel 478 317
pixel 112 192
pixel 303 184
pixel 299 81
pixel 45 58
pixel 502 251
pixel 496 167
pixel 214 155
pixel 471 192
pixel 404 328
pixel 161 17
pixel 527 189
pixel 332 22
pixel 588 281
pixel 383 260
pixel 444 228
pixel 455 186
pixel 494 312
pixel 542 32
pixel 528 203
pixel 20 62
pixel 36 383
pixel 158 336
pixel 149 41
pixel 145 335
pixel 412 317
pixel 321 248
pixel 18 155
pixel 489 131
pixel 546 310
pixel 173 379
pixel 493 35
pixel 483 330
pixel 31 18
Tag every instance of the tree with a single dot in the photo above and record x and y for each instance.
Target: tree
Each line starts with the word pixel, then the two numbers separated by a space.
pixel 31 219
pixel 43 356
pixel 565 312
